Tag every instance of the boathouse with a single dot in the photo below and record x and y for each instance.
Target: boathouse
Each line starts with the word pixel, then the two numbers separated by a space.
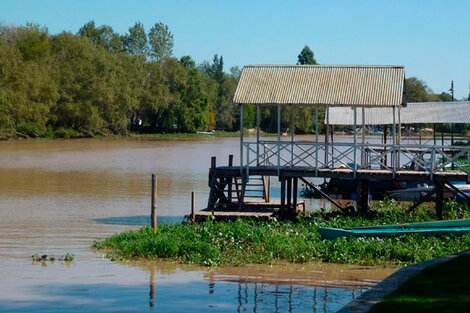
pixel 357 88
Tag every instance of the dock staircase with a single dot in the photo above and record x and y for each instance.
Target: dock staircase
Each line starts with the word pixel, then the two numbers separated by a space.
pixel 236 192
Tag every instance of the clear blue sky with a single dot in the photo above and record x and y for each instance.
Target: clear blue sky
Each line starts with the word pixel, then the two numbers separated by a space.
pixel 431 38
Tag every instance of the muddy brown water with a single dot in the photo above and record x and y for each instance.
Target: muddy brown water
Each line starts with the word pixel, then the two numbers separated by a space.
pixel 59 196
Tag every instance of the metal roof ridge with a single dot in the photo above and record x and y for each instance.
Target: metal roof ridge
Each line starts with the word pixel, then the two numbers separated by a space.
pixel 324 65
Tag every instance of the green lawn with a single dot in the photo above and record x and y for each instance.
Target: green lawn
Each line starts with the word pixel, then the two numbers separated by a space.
pixel 442 288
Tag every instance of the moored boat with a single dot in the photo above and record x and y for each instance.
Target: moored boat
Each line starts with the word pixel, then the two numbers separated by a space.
pixel 448 227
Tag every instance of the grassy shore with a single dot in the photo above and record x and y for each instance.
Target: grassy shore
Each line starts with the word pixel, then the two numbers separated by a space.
pixel 442 288
pixel 253 241
pixel 69 135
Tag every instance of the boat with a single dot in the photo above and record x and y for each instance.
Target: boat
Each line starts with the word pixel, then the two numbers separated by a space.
pixel 416 193
pixel 206 133
pixel 448 227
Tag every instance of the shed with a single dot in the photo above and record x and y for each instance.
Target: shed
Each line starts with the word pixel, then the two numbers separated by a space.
pixel 329 85
pixel 414 113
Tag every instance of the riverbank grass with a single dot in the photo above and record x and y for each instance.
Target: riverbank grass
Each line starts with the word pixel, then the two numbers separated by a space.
pixel 255 241
pixel 442 288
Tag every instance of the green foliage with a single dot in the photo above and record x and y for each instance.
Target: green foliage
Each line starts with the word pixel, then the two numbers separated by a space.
pixel 254 241
pixel 103 36
pixel 161 41
pixel 249 116
pixel 306 57
pixel 135 42
pixel 99 82
pixel 418 91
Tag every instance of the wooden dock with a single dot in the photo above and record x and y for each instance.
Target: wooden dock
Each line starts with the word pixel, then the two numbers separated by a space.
pixel 251 209
pixel 237 191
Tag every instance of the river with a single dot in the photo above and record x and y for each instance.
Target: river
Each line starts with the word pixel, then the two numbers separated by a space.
pixel 58 196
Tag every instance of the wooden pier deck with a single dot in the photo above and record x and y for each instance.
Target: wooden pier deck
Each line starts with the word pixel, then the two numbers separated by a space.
pixel 252 209
pixel 374 174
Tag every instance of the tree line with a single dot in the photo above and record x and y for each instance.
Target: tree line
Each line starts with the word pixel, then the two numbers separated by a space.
pixel 100 82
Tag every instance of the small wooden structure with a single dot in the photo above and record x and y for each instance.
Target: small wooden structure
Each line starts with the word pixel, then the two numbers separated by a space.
pixel 357 87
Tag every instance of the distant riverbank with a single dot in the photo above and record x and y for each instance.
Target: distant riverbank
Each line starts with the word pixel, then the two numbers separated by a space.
pixel 136 135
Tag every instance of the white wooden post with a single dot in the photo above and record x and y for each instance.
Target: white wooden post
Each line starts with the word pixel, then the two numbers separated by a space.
pixel 316 140
pixel 355 141
pixel 241 137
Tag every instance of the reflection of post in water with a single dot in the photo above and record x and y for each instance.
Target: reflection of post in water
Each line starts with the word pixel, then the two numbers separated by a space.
pixel 211 287
pixel 211 283
pixel 255 297
pixel 290 298
pixel 325 299
pixel 239 297
pixel 152 288
pixel 315 299
pixel 276 299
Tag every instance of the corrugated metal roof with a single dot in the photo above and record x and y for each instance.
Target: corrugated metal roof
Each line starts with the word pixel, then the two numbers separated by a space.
pixel 334 85
pixel 414 113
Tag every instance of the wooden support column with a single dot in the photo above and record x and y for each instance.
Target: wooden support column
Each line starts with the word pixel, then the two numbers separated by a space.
pixel 230 163
pixel 283 196
pixel 332 146
pixel 289 196
pixel 442 134
pixel 241 137
pixel 294 194
pixel 212 181
pixel 327 130
pixel 362 196
pixel 363 137
pixel 385 142
pixel 257 135
pixel 439 199
pixel 193 207
pixel 153 213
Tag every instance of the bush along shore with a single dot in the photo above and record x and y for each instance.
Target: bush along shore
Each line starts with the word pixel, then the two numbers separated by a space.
pixel 255 241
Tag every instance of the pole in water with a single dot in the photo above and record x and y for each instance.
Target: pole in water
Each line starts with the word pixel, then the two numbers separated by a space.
pixel 153 214
pixel 193 207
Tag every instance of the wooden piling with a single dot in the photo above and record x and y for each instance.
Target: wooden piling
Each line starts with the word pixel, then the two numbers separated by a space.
pixel 283 195
pixel 153 214
pixel 289 196
pixel 294 194
pixel 193 207
pixel 439 199
pixel 362 196
pixel 213 162
pixel 230 163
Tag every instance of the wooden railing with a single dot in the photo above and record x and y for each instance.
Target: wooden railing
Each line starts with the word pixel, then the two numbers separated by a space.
pixel 387 157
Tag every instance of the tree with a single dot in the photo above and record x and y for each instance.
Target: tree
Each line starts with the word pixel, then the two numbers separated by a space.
pixel 161 41
pixel 306 57
pixel 135 43
pixel 103 36
pixel 418 91
pixel 187 62
pixel 445 96
pixel 216 69
pixel 235 72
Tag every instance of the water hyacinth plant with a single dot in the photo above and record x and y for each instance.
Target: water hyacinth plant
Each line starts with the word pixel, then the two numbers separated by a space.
pixel 255 241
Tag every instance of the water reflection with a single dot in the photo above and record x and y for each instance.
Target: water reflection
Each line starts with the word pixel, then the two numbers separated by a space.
pixel 261 288
pixel 258 297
